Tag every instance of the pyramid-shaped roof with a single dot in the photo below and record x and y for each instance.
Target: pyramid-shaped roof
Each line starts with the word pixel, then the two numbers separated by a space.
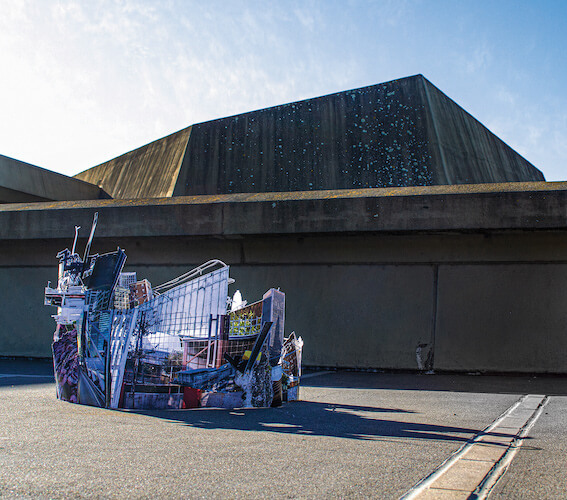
pixel 400 133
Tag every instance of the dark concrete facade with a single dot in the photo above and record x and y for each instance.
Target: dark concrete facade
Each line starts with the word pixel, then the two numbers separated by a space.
pixel 400 133
pixel 374 278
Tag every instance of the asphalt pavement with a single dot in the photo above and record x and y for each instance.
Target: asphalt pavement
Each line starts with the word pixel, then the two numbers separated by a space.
pixel 352 435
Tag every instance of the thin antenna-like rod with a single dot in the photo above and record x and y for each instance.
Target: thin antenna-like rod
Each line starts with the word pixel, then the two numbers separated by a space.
pixel 75 241
pixel 88 247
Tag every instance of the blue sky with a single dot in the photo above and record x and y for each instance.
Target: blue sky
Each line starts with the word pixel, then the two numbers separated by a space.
pixel 85 81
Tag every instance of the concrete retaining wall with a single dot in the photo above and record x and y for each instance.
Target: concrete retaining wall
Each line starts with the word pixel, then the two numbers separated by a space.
pixel 369 309
pixel 479 299
pixel 505 317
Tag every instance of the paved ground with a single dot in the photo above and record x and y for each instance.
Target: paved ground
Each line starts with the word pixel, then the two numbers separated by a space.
pixel 357 435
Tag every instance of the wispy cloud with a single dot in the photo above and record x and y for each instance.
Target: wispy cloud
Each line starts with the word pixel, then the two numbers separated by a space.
pixel 537 134
pixel 478 59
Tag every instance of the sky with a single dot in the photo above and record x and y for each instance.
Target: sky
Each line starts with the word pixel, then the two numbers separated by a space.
pixel 82 82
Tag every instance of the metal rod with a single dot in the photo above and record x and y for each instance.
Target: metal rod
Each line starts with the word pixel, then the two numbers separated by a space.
pixel 199 353
pixel 75 240
pixel 209 340
pixel 89 242
pixel 216 339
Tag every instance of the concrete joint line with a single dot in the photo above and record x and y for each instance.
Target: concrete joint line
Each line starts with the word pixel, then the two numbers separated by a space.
pixel 474 469
pixel 500 467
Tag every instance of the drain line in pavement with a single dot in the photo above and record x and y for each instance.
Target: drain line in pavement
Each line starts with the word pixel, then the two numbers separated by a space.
pixel 473 470
pixel 502 465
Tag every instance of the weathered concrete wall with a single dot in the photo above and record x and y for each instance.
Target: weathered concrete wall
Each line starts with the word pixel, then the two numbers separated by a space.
pixel 477 298
pixel 521 206
pixel 147 172
pixel 370 137
pixel 370 308
pixel 465 151
pixel 400 133
pixel 21 182
pixel 355 314
pixel 27 329
pixel 510 317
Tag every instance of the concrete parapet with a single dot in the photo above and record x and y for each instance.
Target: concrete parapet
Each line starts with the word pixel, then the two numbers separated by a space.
pixel 513 206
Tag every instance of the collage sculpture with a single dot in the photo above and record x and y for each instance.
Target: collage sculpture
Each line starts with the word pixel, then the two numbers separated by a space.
pixel 122 343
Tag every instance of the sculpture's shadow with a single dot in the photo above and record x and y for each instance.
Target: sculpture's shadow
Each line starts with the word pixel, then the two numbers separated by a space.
pixel 313 418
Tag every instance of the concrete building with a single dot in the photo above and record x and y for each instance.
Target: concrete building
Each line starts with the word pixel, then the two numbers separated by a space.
pixel 404 233
pixel 22 182
pixel 400 133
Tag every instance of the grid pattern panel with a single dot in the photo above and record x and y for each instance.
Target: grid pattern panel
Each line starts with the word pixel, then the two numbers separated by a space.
pixel 148 341
pixel 185 310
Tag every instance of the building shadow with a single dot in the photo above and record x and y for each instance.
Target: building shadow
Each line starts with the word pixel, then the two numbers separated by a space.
pixel 26 371
pixel 551 385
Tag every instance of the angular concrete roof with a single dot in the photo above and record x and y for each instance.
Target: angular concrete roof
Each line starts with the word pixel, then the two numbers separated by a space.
pixel 21 182
pixel 401 133
pixel 147 172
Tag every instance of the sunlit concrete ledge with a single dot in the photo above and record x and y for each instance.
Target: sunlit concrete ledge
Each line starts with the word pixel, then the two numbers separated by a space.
pixel 475 207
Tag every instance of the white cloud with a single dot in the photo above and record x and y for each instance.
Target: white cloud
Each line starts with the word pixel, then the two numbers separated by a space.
pixel 305 17
pixel 479 59
pixel 506 96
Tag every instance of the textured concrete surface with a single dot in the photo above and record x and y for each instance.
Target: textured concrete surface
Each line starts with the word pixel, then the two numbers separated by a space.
pixel 509 316
pixel 27 324
pixel 371 275
pixel 404 132
pixel 370 316
pixel 400 133
pixel 358 320
pixel 339 328
pixel 147 172
pixel 353 435
pixel 21 182
pixel 480 300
